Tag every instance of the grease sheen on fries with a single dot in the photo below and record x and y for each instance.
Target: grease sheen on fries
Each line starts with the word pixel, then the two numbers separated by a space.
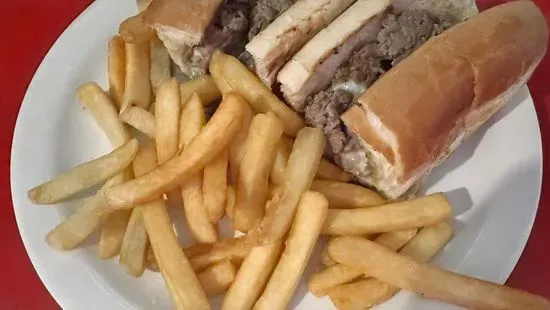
pixel 84 175
pixel 301 168
pixel 116 60
pixel 228 70
pixel 305 231
pixel 413 213
pixel 251 190
pixel 203 86
pixel 429 281
pixel 215 136
pixel 137 86
pixel 347 196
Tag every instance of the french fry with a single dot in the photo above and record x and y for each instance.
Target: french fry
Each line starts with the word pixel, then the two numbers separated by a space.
pixel 160 63
pixel 135 241
pixel 252 277
pixel 116 64
pixel 192 120
pixel 429 281
pixel 84 175
pixel 167 118
pixel 235 248
pixel 143 4
pixel 217 278
pixel 329 171
pixel 301 168
pixel 228 70
pixel 346 195
pixel 72 231
pixel 325 258
pixel 183 284
pixel 280 160
pixel 310 215
pixel 137 86
pixel 251 190
pixel 112 233
pixel 322 282
pixel 203 86
pixel 236 147
pixel 134 30
pixel 215 136
pixel 369 292
pixel 230 202
pixel 413 213
pixel 140 119
pixel 214 186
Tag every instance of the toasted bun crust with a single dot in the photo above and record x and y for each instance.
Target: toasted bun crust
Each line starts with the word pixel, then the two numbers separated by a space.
pixel 274 46
pixel 189 18
pixel 422 109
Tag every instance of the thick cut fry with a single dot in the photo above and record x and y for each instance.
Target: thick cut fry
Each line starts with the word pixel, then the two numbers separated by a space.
pixel 112 233
pixel 413 213
pixel 235 248
pixel 251 190
pixel 329 171
pixel 203 86
pixel 218 278
pixel 160 63
pixel 321 283
pixel 214 186
pixel 134 30
pixel 311 213
pixel 230 203
pixel 369 292
pixel 346 195
pixel 301 168
pixel 236 147
pixel 137 86
pixel 252 277
pixel 228 70
pixel 116 63
pixel 135 241
pixel 280 160
pixel 202 230
pixel 184 286
pixel 84 175
pixel 215 136
pixel 100 106
pixel 429 281
pixel 140 119
pixel 68 234
pixel 167 118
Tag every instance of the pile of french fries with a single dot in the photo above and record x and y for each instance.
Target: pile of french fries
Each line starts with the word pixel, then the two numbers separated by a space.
pixel 257 163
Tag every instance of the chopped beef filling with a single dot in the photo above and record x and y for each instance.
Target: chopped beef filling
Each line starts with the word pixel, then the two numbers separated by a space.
pixel 236 22
pixel 401 34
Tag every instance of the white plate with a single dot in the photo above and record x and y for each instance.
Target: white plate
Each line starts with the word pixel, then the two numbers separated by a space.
pixel 494 180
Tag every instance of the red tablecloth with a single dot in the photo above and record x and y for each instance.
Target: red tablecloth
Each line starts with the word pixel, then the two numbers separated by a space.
pixel 30 27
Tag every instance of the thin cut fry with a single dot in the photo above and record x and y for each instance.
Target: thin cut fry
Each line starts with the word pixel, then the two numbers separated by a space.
pixel 236 147
pixel 203 86
pixel 311 213
pixel 230 203
pixel 214 186
pixel 277 175
pixel 301 168
pixel 429 281
pixel 217 278
pixel 137 87
pixel 160 63
pixel 192 120
pixel 228 70
pixel 370 292
pixel 84 175
pixel 215 136
pixel 346 195
pixel 140 119
pixel 167 114
pixel 329 171
pixel 227 249
pixel 252 277
pixel 413 213
pixel 251 190
pixel 321 283
pixel 134 30
pixel 112 233
pixel 116 69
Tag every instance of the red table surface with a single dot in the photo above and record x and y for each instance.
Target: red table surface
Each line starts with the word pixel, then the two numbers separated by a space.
pixel 30 27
